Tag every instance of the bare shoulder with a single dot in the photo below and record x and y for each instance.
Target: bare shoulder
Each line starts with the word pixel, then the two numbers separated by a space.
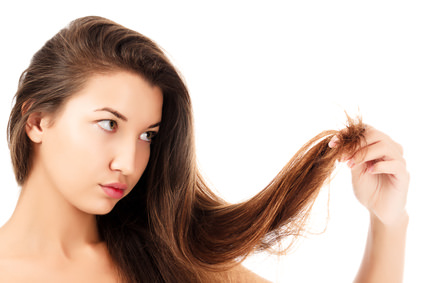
pixel 11 270
pixel 10 267
pixel 93 264
pixel 239 273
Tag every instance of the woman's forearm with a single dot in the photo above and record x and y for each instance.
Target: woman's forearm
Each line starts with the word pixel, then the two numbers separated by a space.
pixel 384 253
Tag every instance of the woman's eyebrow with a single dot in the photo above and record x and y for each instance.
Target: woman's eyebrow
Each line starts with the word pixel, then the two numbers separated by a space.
pixel 154 125
pixel 121 116
pixel 114 112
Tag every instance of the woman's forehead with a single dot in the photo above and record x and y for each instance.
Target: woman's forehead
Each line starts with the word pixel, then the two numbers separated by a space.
pixel 125 93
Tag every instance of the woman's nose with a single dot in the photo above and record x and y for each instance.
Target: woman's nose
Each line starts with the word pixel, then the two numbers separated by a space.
pixel 124 159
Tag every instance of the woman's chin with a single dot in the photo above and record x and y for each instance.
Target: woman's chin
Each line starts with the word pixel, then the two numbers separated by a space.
pixel 101 208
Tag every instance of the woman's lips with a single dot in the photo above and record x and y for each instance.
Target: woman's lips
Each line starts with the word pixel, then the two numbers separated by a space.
pixel 114 190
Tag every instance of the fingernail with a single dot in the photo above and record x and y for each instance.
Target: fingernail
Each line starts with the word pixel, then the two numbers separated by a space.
pixel 333 142
pixel 351 163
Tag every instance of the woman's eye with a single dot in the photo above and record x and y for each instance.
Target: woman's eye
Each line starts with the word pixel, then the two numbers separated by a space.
pixel 108 125
pixel 148 136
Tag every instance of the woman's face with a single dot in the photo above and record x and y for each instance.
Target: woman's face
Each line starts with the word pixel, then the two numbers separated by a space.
pixel 98 145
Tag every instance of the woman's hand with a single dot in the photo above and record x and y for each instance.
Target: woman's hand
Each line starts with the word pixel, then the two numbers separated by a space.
pixel 380 182
pixel 379 176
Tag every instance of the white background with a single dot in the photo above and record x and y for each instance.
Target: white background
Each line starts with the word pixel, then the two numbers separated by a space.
pixel 265 77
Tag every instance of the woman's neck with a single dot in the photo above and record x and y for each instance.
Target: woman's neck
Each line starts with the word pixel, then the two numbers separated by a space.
pixel 44 222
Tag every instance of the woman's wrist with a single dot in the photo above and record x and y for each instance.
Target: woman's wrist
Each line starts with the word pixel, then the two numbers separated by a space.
pixel 396 222
pixel 385 251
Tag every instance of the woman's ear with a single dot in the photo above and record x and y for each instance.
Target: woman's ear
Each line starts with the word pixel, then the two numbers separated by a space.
pixel 36 124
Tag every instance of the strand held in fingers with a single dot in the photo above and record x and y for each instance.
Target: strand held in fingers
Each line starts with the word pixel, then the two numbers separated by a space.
pixel 279 210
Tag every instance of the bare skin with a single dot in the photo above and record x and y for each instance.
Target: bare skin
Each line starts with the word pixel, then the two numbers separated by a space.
pixel 52 234
pixel 90 264
pixel 237 274
pixel 380 182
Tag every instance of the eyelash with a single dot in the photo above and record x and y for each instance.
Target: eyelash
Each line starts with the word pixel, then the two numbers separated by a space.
pixel 104 124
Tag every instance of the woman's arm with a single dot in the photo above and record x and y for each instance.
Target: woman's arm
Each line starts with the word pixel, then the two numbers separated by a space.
pixel 384 254
pixel 380 181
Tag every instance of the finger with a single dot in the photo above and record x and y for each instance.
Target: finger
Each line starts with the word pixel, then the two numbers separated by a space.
pixel 393 167
pixel 371 136
pixel 377 146
pixel 383 150
pixel 334 142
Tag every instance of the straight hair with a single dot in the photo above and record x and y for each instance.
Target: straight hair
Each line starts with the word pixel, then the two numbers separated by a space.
pixel 171 227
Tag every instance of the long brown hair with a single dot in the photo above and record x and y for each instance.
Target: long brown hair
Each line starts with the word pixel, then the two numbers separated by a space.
pixel 171 227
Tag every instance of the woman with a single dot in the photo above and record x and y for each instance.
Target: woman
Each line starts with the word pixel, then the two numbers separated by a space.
pixel 101 139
